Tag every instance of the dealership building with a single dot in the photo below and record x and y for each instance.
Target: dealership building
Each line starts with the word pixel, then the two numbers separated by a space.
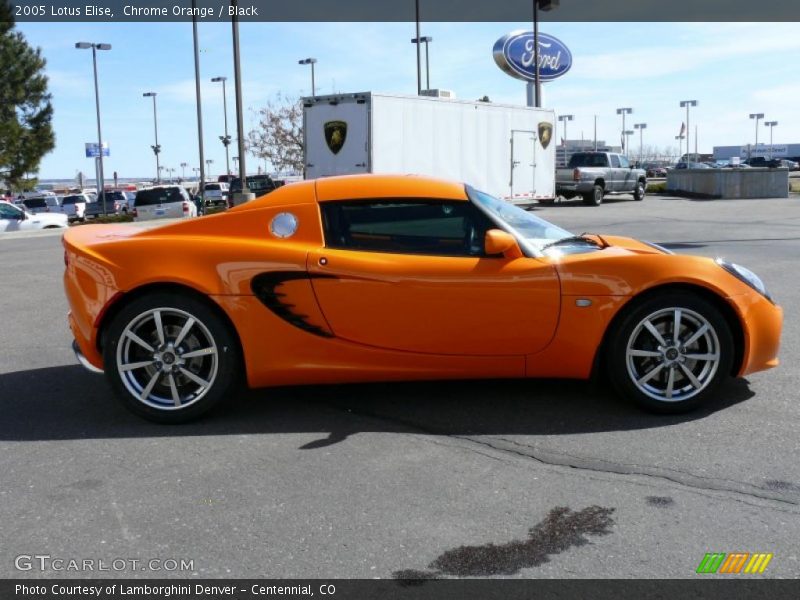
pixel 789 151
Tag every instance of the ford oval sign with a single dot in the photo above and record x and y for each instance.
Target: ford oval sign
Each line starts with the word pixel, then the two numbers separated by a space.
pixel 514 54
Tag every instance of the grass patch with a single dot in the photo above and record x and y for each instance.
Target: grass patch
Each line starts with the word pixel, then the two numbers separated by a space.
pixel 657 188
pixel 794 186
pixel 107 219
pixel 212 210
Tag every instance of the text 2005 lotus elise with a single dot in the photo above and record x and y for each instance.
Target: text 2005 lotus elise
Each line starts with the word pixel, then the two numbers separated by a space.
pixel 387 278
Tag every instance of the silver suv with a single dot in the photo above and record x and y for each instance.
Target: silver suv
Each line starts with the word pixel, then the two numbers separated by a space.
pixel 163 202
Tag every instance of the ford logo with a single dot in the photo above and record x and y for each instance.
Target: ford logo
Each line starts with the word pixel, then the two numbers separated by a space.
pixel 514 54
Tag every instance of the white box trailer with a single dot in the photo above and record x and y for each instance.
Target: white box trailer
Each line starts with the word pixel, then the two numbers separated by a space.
pixel 507 151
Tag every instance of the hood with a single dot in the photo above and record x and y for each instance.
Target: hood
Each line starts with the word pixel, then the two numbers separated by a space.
pixel 637 246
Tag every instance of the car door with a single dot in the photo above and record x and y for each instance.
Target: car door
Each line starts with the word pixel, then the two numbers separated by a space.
pixel 9 217
pixel 626 175
pixel 614 173
pixel 411 275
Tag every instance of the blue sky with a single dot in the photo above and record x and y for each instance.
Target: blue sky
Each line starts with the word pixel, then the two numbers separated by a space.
pixel 732 69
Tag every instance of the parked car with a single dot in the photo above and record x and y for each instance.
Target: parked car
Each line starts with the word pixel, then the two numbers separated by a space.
pixel 16 218
pixel 41 204
pixel 789 164
pixel 692 165
pixel 389 278
pixel 257 184
pixel 74 206
pixel 594 175
pixel 762 161
pixel 163 202
pixel 216 194
pixel 95 209
pixel 35 194
pixel 655 171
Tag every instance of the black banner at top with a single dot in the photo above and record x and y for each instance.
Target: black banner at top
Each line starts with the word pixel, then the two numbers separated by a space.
pixel 404 10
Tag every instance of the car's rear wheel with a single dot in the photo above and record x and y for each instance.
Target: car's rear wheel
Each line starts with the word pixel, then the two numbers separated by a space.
pixel 669 353
pixel 170 357
pixel 595 197
pixel 639 191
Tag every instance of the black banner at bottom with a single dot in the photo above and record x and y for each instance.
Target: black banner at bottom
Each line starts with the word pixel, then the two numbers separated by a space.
pixel 401 589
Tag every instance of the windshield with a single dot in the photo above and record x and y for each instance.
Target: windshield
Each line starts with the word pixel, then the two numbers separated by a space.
pixel 530 229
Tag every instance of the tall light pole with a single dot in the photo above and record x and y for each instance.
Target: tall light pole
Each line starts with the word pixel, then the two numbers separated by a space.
pixel 209 162
pixel 623 112
pixel 770 124
pixel 312 62
pixel 424 40
pixel 419 50
pixel 245 194
pixel 225 139
pixel 183 170
pixel 156 147
pixel 544 5
pixel 756 116
pixel 100 176
pixel 199 102
pixel 641 127
pixel 688 104
pixel 565 119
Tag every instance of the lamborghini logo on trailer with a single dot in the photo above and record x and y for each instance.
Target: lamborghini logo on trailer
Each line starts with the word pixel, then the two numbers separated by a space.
pixel 335 135
pixel 545 133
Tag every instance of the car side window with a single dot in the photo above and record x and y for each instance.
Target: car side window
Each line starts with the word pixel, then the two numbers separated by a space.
pixel 431 227
pixel 614 160
pixel 9 212
pixel 623 162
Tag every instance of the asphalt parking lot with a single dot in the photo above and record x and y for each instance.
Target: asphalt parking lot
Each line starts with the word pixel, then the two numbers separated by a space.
pixel 497 478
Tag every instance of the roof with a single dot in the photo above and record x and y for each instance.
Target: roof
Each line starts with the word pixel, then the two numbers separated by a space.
pixel 357 187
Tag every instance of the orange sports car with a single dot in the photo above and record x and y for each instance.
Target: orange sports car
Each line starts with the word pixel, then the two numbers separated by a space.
pixel 376 278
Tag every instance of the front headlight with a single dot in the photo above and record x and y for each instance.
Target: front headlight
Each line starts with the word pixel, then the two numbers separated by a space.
pixel 747 276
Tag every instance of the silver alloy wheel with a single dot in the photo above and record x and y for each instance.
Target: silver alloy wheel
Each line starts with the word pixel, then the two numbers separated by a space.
pixel 167 358
pixel 673 354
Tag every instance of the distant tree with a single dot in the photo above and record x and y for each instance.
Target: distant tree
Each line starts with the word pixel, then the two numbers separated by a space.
pixel 26 114
pixel 278 137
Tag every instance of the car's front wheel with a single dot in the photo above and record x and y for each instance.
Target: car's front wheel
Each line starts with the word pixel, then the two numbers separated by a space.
pixel 170 358
pixel 639 191
pixel 669 353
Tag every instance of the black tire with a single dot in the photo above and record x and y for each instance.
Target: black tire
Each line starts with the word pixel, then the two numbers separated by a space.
pixel 595 197
pixel 626 373
pixel 639 191
pixel 219 370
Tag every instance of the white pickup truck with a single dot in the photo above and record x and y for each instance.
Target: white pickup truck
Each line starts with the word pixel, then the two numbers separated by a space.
pixel 593 175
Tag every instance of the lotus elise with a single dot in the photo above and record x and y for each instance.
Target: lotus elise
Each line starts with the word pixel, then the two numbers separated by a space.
pixel 389 278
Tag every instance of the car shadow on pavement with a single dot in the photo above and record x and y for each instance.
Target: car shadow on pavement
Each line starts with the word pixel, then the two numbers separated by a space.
pixel 67 403
pixel 578 201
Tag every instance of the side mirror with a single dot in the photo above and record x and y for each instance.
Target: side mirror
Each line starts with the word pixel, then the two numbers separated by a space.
pixel 498 241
